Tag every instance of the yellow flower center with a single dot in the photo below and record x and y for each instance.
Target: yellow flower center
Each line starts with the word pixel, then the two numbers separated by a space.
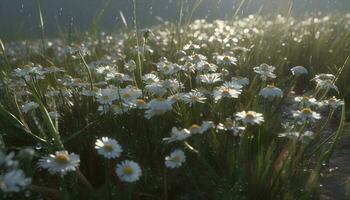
pixel 128 170
pixel 306 98
pixel 140 102
pixel 126 95
pixel 194 98
pixel 306 111
pixel 228 123
pixel 62 158
pixel 250 114
pixel 226 59
pixel 194 127
pixel 332 99
pixel 226 91
pixel 108 147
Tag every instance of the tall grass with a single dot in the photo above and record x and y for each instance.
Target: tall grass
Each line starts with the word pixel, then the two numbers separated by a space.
pixel 256 164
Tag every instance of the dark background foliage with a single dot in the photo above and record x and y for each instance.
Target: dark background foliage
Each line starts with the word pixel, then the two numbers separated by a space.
pixel 19 18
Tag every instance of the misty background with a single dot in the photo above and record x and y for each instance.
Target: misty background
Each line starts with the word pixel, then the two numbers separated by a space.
pixel 19 19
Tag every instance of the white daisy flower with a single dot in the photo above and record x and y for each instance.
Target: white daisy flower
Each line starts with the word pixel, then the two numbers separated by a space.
pixel 175 159
pixel 158 106
pixel 172 84
pixel 128 171
pixel 156 88
pixel 140 104
pixel 130 65
pixel 250 117
pixel 196 58
pixel 108 148
pixel 205 126
pixel 305 137
pixel 326 81
pixel 29 106
pixel 238 81
pixel 306 101
pixel 150 78
pixel 177 135
pixel 14 181
pixel 333 102
pixel 226 60
pixel 119 77
pixel 8 160
pixel 226 92
pixel 61 162
pixel 193 97
pixel 107 96
pixel 230 125
pixel 210 78
pixel 167 68
pixel 130 93
pixel 194 129
pixel 326 85
pixel 265 71
pixel 204 66
pixel 306 114
pixel 299 70
pixel 271 91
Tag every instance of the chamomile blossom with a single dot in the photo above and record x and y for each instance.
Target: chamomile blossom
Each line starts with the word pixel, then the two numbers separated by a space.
pixel 14 181
pixel 298 70
pixel 205 66
pixel 205 126
pixel 193 97
pixel 226 60
pixel 106 96
pixel 175 159
pixel 29 106
pixel 156 88
pixel 226 92
pixel 177 135
pixel 239 81
pixel 250 117
pixel 157 106
pixel 210 78
pixel 333 102
pixel 326 82
pixel 150 78
pixel 60 163
pixel 230 125
pixel 108 148
pixel 306 114
pixel 265 71
pixel 306 101
pixel 271 91
pixel 304 137
pixel 130 65
pixel 128 171
pixel 167 68
pixel 129 93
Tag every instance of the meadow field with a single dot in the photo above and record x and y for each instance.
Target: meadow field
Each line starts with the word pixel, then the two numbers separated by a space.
pixel 244 108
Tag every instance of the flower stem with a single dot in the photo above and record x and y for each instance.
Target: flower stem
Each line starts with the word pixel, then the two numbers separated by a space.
pixel 64 188
pixel 108 183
